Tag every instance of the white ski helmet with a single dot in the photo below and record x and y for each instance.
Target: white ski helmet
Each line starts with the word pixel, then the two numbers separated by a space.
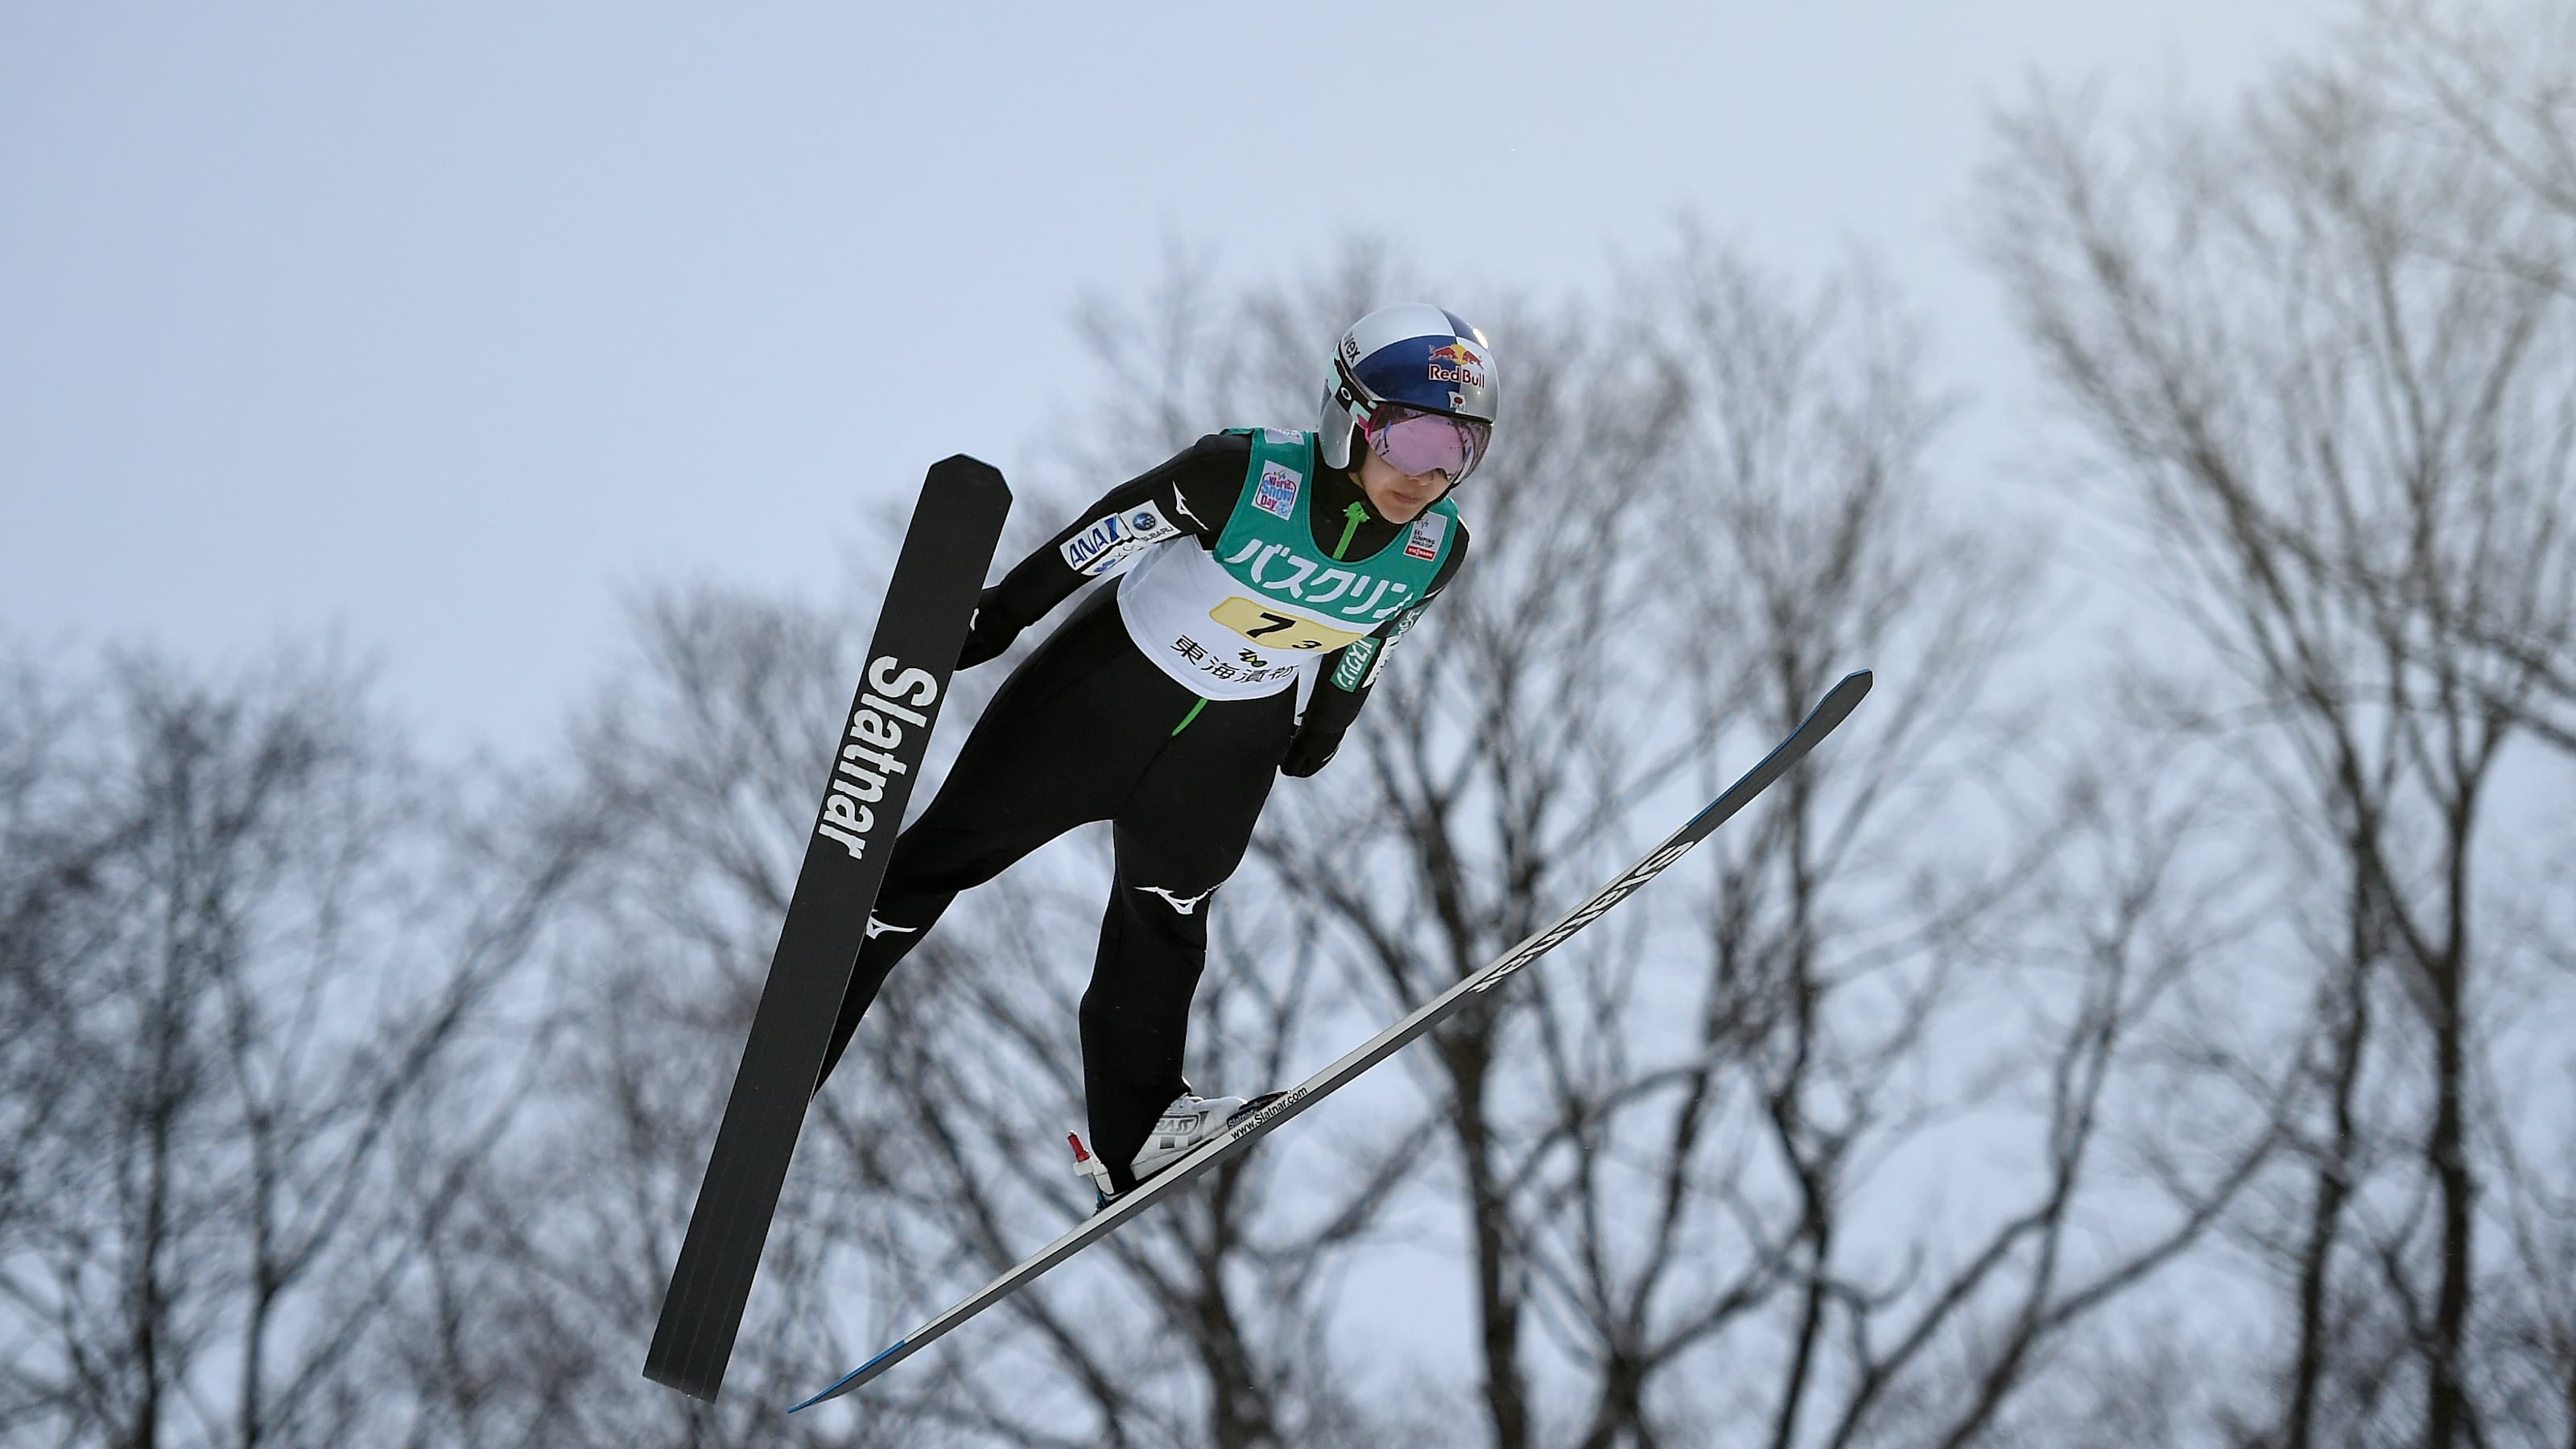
pixel 1403 363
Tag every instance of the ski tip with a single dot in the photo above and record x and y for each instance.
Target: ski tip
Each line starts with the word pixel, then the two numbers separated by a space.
pixel 965 470
pixel 809 1403
pixel 850 1380
pixel 1844 697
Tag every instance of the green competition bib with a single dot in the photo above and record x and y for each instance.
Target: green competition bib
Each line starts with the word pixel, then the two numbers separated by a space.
pixel 1294 595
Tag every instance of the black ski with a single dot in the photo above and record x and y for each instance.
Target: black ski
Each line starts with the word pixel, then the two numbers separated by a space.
pixel 1829 712
pixel 928 606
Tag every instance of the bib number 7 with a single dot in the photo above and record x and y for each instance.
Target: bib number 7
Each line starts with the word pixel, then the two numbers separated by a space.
pixel 1279 631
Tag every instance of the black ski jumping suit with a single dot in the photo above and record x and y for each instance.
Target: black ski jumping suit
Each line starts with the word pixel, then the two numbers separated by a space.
pixel 1090 727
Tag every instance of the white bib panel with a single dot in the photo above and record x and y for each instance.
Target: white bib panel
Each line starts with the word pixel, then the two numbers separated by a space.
pixel 1172 601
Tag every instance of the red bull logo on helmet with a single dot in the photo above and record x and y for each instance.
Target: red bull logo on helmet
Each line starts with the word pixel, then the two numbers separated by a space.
pixel 1457 362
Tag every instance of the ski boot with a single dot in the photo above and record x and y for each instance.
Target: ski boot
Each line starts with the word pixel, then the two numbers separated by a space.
pixel 1189 1121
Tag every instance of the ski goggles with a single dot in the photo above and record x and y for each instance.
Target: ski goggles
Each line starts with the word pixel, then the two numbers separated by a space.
pixel 1417 442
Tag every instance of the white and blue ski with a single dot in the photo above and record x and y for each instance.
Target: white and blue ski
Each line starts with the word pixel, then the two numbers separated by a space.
pixel 1829 712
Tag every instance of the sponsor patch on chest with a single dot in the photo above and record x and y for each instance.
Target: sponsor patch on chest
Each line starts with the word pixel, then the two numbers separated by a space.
pixel 1105 541
pixel 1276 494
pixel 1428 531
pixel 1325 588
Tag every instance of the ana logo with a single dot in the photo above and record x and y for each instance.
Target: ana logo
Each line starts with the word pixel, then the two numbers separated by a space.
pixel 1457 362
pixel 1105 541
pixel 1428 531
pixel 1284 437
pixel 1277 492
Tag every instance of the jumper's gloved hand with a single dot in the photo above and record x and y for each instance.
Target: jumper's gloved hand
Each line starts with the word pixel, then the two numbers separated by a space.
pixel 1309 752
pixel 989 633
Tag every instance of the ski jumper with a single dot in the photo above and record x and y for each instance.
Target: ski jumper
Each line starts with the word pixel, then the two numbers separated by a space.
pixel 1164 704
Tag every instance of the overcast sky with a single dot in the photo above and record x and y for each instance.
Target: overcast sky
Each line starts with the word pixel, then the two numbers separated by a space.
pixel 441 325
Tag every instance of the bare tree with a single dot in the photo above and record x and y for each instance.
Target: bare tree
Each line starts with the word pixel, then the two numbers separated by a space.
pixel 244 958
pixel 2346 447
pixel 700 762
pixel 2492 90
pixel 1886 990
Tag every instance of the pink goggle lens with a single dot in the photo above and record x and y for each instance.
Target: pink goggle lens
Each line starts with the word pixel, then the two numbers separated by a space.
pixel 1417 442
